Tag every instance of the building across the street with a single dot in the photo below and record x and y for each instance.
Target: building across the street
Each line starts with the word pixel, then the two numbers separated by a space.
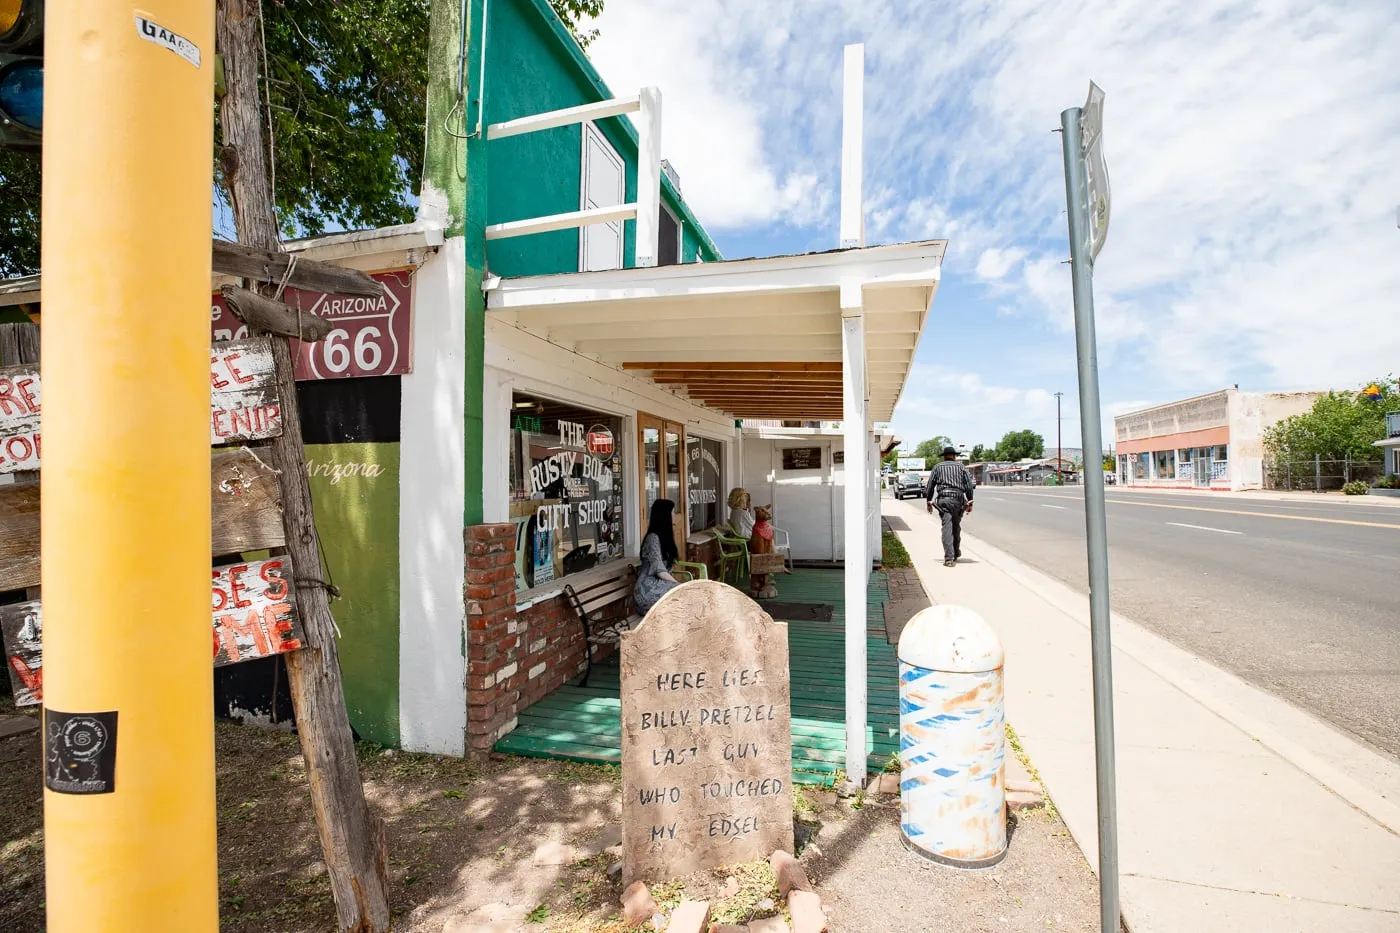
pixel 1213 441
pixel 1390 444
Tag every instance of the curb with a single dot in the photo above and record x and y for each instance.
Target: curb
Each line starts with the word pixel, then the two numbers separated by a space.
pixel 1174 664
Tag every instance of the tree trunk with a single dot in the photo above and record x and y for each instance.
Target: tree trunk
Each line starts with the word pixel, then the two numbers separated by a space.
pixel 352 838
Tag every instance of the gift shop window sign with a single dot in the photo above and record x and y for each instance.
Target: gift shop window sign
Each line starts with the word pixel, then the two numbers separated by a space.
pixel 373 336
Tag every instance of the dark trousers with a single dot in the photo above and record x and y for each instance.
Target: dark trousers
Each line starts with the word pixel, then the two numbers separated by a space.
pixel 952 515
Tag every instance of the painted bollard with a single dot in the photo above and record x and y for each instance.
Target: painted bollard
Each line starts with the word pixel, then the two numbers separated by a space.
pixel 952 746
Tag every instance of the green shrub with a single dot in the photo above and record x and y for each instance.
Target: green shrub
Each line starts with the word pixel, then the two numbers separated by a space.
pixel 1388 482
pixel 1356 488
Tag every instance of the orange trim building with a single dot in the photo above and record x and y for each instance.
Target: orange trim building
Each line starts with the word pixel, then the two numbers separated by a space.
pixel 1212 441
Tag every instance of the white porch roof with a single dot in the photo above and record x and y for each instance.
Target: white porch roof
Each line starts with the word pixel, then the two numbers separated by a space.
pixel 755 338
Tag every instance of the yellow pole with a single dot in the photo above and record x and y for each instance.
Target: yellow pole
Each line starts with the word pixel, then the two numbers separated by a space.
pixel 128 124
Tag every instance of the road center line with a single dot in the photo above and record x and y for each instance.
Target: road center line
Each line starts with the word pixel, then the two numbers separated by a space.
pixel 1223 531
pixel 1045 506
pixel 1201 508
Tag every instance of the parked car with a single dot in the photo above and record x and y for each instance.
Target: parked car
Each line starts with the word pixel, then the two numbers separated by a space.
pixel 908 484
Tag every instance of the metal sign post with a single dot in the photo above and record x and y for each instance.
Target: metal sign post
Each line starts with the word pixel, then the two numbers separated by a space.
pixel 1087 194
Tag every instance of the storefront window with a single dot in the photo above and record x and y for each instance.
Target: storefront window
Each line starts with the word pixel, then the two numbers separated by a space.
pixel 704 477
pixel 565 489
pixel 1166 464
pixel 1222 452
pixel 1139 465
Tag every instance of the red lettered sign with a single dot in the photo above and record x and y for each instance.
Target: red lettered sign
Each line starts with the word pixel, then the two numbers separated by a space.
pixel 372 336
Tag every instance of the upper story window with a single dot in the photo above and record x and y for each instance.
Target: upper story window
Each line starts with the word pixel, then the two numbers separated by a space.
pixel 668 247
pixel 603 184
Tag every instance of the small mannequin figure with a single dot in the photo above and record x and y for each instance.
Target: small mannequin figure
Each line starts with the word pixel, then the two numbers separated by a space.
pixel 764 586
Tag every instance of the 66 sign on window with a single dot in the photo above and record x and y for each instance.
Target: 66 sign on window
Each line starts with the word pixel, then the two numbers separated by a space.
pixel 371 336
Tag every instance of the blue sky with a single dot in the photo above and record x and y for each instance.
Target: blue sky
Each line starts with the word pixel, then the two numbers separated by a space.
pixel 1254 149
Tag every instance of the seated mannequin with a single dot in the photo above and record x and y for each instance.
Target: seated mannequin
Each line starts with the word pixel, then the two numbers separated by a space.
pixel 741 517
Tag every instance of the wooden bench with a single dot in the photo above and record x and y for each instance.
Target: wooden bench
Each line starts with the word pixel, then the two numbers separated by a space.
pixel 606 609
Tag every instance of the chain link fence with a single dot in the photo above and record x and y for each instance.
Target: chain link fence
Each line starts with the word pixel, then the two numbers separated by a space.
pixel 1318 475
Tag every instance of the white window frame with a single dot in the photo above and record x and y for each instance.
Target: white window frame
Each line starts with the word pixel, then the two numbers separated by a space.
pixel 590 128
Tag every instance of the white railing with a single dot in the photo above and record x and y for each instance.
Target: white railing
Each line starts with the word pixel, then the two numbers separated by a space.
pixel 1392 424
pixel 646 210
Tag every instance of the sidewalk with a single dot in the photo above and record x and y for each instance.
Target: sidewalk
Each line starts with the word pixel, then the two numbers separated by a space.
pixel 1237 812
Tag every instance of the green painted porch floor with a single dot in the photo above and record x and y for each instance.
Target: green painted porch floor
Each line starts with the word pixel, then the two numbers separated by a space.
pixel 583 723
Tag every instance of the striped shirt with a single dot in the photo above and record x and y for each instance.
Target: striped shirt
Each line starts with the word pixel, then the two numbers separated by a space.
pixel 949 480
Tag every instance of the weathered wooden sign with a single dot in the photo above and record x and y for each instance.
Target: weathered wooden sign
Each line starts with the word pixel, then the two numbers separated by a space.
pixel 706 734
pixel 20 405
pixel 252 615
pixel 243 404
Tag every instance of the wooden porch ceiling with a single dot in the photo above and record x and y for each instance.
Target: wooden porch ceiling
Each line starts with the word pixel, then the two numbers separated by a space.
pixel 806 390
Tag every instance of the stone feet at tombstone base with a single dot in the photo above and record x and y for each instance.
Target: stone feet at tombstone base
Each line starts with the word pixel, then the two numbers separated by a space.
pixel 803 903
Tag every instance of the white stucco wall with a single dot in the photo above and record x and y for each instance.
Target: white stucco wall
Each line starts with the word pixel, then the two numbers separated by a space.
pixel 432 483
pixel 1250 414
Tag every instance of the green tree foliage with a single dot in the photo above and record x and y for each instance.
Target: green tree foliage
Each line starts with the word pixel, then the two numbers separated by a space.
pixel 347 85
pixel 19 213
pixel 979 453
pixel 1019 445
pixel 1110 463
pixel 890 458
pixel 1341 425
pixel 932 449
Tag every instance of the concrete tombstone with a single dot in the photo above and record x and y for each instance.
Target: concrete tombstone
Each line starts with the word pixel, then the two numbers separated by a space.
pixel 706 735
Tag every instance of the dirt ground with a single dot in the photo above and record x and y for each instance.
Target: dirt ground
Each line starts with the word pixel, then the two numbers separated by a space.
pixel 520 845
pixel 870 882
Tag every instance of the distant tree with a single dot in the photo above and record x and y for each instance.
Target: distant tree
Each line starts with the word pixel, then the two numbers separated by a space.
pixel 1341 425
pixel 1110 462
pixel 979 453
pixel 1019 445
pixel 932 449
pixel 890 458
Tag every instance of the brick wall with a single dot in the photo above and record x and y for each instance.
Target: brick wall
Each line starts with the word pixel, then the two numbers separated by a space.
pixel 513 658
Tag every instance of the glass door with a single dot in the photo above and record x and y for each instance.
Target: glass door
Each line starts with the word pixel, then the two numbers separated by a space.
pixel 663 469
pixel 1202 477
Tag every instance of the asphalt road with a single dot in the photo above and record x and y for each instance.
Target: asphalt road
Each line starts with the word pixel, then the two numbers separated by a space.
pixel 1300 597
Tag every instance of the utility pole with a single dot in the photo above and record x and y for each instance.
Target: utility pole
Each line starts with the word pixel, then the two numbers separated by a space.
pixel 352 837
pixel 1059 446
pixel 129 807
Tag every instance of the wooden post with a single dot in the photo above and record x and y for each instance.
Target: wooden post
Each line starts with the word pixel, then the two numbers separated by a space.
pixel 352 837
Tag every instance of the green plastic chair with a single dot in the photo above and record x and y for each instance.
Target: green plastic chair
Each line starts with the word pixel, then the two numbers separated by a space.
pixel 689 570
pixel 733 556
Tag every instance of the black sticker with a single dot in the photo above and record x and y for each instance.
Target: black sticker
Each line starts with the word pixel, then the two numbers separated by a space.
pixel 80 752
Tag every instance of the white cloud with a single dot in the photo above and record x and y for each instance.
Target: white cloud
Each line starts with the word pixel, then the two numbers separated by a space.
pixel 712 132
pixel 963 406
pixel 1252 145
pixel 995 263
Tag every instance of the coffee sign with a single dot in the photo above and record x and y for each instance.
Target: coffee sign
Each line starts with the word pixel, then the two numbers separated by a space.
pixel 706 735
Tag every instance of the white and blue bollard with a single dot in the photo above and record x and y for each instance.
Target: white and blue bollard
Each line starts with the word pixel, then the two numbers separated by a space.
pixel 952 743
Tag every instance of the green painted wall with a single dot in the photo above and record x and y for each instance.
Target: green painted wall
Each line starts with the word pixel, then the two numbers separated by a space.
pixel 357 518
pixel 533 65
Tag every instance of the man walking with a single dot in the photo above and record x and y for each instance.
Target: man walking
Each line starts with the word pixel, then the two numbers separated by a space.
pixel 949 490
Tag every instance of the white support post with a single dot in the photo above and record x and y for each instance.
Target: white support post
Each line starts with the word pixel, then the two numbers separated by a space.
pixel 857 550
pixel 648 178
pixel 852 154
